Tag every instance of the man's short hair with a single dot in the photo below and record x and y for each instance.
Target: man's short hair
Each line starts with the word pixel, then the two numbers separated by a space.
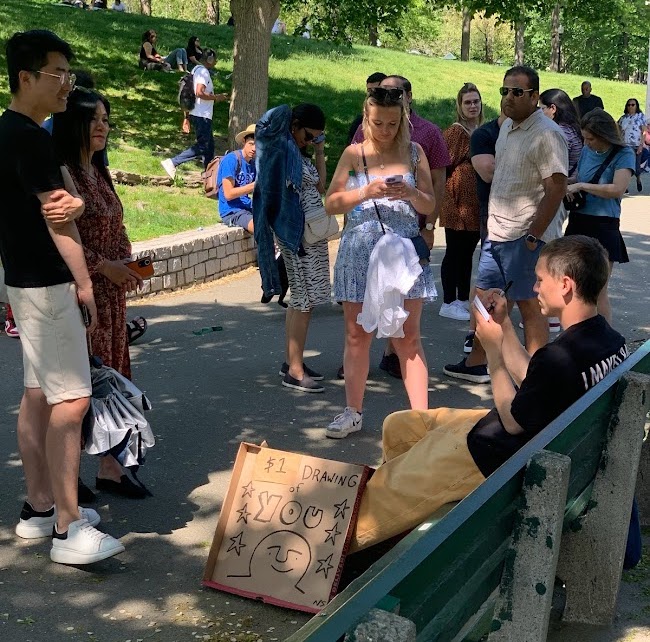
pixel 406 84
pixel 583 259
pixel 27 51
pixel 249 137
pixel 529 72
pixel 585 83
pixel 208 55
pixel 376 77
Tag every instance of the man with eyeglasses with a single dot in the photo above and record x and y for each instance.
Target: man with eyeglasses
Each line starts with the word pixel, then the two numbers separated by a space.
pixel 529 183
pixel 47 282
pixel 587 101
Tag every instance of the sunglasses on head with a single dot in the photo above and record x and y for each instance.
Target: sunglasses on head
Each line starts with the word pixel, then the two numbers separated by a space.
pixel 384 94
pixel 517 92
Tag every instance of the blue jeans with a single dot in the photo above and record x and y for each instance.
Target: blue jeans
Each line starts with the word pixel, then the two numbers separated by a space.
pixel 517 264
pixel 177 57
pixel 204 146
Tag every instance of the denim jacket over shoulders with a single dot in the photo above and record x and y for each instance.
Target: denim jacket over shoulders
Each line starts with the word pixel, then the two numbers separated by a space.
pixel 276 198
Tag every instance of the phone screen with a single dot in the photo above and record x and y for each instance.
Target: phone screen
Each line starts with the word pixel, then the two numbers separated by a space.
pixel 392 180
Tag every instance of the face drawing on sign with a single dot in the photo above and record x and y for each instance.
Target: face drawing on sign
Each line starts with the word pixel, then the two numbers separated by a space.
pixel 281 552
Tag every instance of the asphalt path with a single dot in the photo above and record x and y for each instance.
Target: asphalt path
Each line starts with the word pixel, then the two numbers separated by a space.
pixel 209 393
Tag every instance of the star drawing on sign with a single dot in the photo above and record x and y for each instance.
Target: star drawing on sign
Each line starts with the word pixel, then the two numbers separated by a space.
pixel 332 533
pixel 243 514
pixel 325 565
pixel 341 508
pixel 248 490
pixel 236 544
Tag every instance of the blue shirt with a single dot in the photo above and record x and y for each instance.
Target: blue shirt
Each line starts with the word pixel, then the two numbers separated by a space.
pixel 245 175
pixel 588 165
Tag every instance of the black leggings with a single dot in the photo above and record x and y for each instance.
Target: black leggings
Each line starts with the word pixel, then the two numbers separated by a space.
pixel 456 268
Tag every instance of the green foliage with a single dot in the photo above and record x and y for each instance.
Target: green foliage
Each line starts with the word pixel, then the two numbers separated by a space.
pixel 193 10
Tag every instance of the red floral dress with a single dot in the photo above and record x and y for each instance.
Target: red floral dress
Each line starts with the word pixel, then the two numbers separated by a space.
pixel 103 236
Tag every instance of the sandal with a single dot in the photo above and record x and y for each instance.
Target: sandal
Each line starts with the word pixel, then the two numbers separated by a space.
pixel 136 328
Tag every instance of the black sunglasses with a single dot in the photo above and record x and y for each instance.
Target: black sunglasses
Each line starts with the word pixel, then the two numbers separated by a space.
pixel 386 94
pixel 631 105
pixel 517 92
pixel 308 136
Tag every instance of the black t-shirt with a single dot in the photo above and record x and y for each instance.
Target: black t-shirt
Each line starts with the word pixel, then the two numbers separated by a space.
pixel 558 374
pixel 27 167
pixel 483 141
pixel 584 104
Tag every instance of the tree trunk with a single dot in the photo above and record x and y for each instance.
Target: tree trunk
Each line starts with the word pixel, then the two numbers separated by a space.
pixel 250 76
pixel 373 34
pixel 212 11
pixel 520 30
pixel 624 60
pixel 464 42
pixel 554 64
pixel 145 7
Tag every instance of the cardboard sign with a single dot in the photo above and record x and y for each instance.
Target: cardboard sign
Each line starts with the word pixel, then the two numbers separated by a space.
pixel 285 527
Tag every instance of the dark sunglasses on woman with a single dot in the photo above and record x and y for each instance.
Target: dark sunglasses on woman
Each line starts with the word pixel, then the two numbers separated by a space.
pixel 386 94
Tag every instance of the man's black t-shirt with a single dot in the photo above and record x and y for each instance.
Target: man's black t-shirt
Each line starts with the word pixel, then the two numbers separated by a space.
pixel 584 104
pixel 558 374
pixel 483 141
pixel 27 167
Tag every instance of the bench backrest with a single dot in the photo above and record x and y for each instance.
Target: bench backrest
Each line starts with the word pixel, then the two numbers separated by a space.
pixel 446 569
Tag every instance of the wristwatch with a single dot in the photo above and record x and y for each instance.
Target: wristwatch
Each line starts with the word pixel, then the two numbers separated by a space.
pixel 531 239
pixel 429 227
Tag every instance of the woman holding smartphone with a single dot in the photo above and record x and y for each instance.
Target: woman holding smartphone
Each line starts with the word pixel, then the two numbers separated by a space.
pixel 394 182
pixel 80 134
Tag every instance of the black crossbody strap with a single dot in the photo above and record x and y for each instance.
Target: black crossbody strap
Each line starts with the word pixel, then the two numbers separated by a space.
pixel 365 170
pixel 610 157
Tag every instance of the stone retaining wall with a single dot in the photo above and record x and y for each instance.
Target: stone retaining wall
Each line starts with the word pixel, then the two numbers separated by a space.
pixel 188 258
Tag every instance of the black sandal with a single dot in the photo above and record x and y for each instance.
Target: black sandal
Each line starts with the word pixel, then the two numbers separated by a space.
pixel 136 328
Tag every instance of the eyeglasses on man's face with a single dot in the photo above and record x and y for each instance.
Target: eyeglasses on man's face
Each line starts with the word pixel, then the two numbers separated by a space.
pixel 383 94
pixel 517 92
pixel 65 78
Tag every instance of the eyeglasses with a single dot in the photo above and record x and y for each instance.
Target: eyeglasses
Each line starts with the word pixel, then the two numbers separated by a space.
pixel 71 79
pixel 386 94
pixel 631 105
pixel 471 103
pixel 308 136
pixel 517 92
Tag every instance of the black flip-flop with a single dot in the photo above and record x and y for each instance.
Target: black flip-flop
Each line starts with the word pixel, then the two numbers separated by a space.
pixel 136 328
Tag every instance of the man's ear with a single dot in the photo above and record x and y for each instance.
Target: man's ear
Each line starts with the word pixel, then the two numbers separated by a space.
pixel 567 284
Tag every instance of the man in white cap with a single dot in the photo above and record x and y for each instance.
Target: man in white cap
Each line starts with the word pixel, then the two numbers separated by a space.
pixel 236 182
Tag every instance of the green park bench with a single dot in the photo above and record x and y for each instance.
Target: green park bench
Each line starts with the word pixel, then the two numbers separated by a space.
pixel 485 569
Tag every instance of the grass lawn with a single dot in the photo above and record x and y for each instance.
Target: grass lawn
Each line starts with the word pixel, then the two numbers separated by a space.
pixel 147 117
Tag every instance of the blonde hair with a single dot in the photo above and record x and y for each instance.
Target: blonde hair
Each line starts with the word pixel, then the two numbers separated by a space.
pixel 467 88
pixel 403 136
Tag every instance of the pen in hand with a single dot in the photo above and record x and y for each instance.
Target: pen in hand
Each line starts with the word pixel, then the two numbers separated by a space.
pixel 503 293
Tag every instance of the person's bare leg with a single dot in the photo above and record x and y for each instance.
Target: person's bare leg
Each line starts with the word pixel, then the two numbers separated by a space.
pixel 356 356
pixel 250 227
pixel 603 305
pixel 110 468
pixel 297 337
pixel 535 325
pixel 412 360
pixel 33 419
pixel 390 348
pixel 63 447
pixel 287 332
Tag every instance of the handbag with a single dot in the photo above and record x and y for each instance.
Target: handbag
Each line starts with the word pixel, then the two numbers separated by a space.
pixel 320 228
pixel 580 198
pixel 419 244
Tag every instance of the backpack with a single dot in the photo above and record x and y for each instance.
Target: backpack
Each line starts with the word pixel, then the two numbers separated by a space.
pixel 186 95
pixel 209 176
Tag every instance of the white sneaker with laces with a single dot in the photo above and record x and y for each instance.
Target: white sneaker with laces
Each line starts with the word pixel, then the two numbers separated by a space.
pixel 83 544
pixel 33 524
pixel 554 324
pixel 464 304
pixel 348 421
pixel 169 167
pixel 455 310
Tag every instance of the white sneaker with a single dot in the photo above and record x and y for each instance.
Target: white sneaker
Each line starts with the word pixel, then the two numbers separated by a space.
pixel 554 324
pixel 454 310
pixel 33 524
pixel 169 167
pixel 348 421
pixel 83 544
pixel 464 304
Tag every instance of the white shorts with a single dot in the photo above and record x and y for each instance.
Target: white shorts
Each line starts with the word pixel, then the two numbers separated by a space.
pixel 53 338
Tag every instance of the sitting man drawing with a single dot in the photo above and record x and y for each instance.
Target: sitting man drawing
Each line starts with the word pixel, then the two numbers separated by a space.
pixel 432 457
pixel 236 182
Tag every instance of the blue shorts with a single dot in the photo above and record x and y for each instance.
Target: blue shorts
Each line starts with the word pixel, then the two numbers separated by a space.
pixel 517 264
pixel 489 275
pixel 238 218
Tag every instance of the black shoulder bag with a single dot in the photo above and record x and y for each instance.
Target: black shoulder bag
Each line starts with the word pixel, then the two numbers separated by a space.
pixel 580 198
pixel 420 245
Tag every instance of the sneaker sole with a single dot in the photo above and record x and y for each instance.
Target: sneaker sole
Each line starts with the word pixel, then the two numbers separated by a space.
pixel 27 531
pixel 66 556
pixel 455 318
pixel 340 434
pixel 295 387
pixel 467 349
pixel 467 377
pixel 316 378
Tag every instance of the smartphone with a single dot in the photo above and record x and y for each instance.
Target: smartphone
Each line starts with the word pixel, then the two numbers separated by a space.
pixel 143 266
pixel 85 314
pixel 393 180
pixel 478 304
pixel 319 139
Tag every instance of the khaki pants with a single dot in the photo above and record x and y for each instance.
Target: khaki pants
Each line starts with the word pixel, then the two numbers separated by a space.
pixel 427 464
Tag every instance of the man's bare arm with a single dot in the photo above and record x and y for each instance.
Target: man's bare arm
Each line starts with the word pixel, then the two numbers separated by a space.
pixel 554 191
